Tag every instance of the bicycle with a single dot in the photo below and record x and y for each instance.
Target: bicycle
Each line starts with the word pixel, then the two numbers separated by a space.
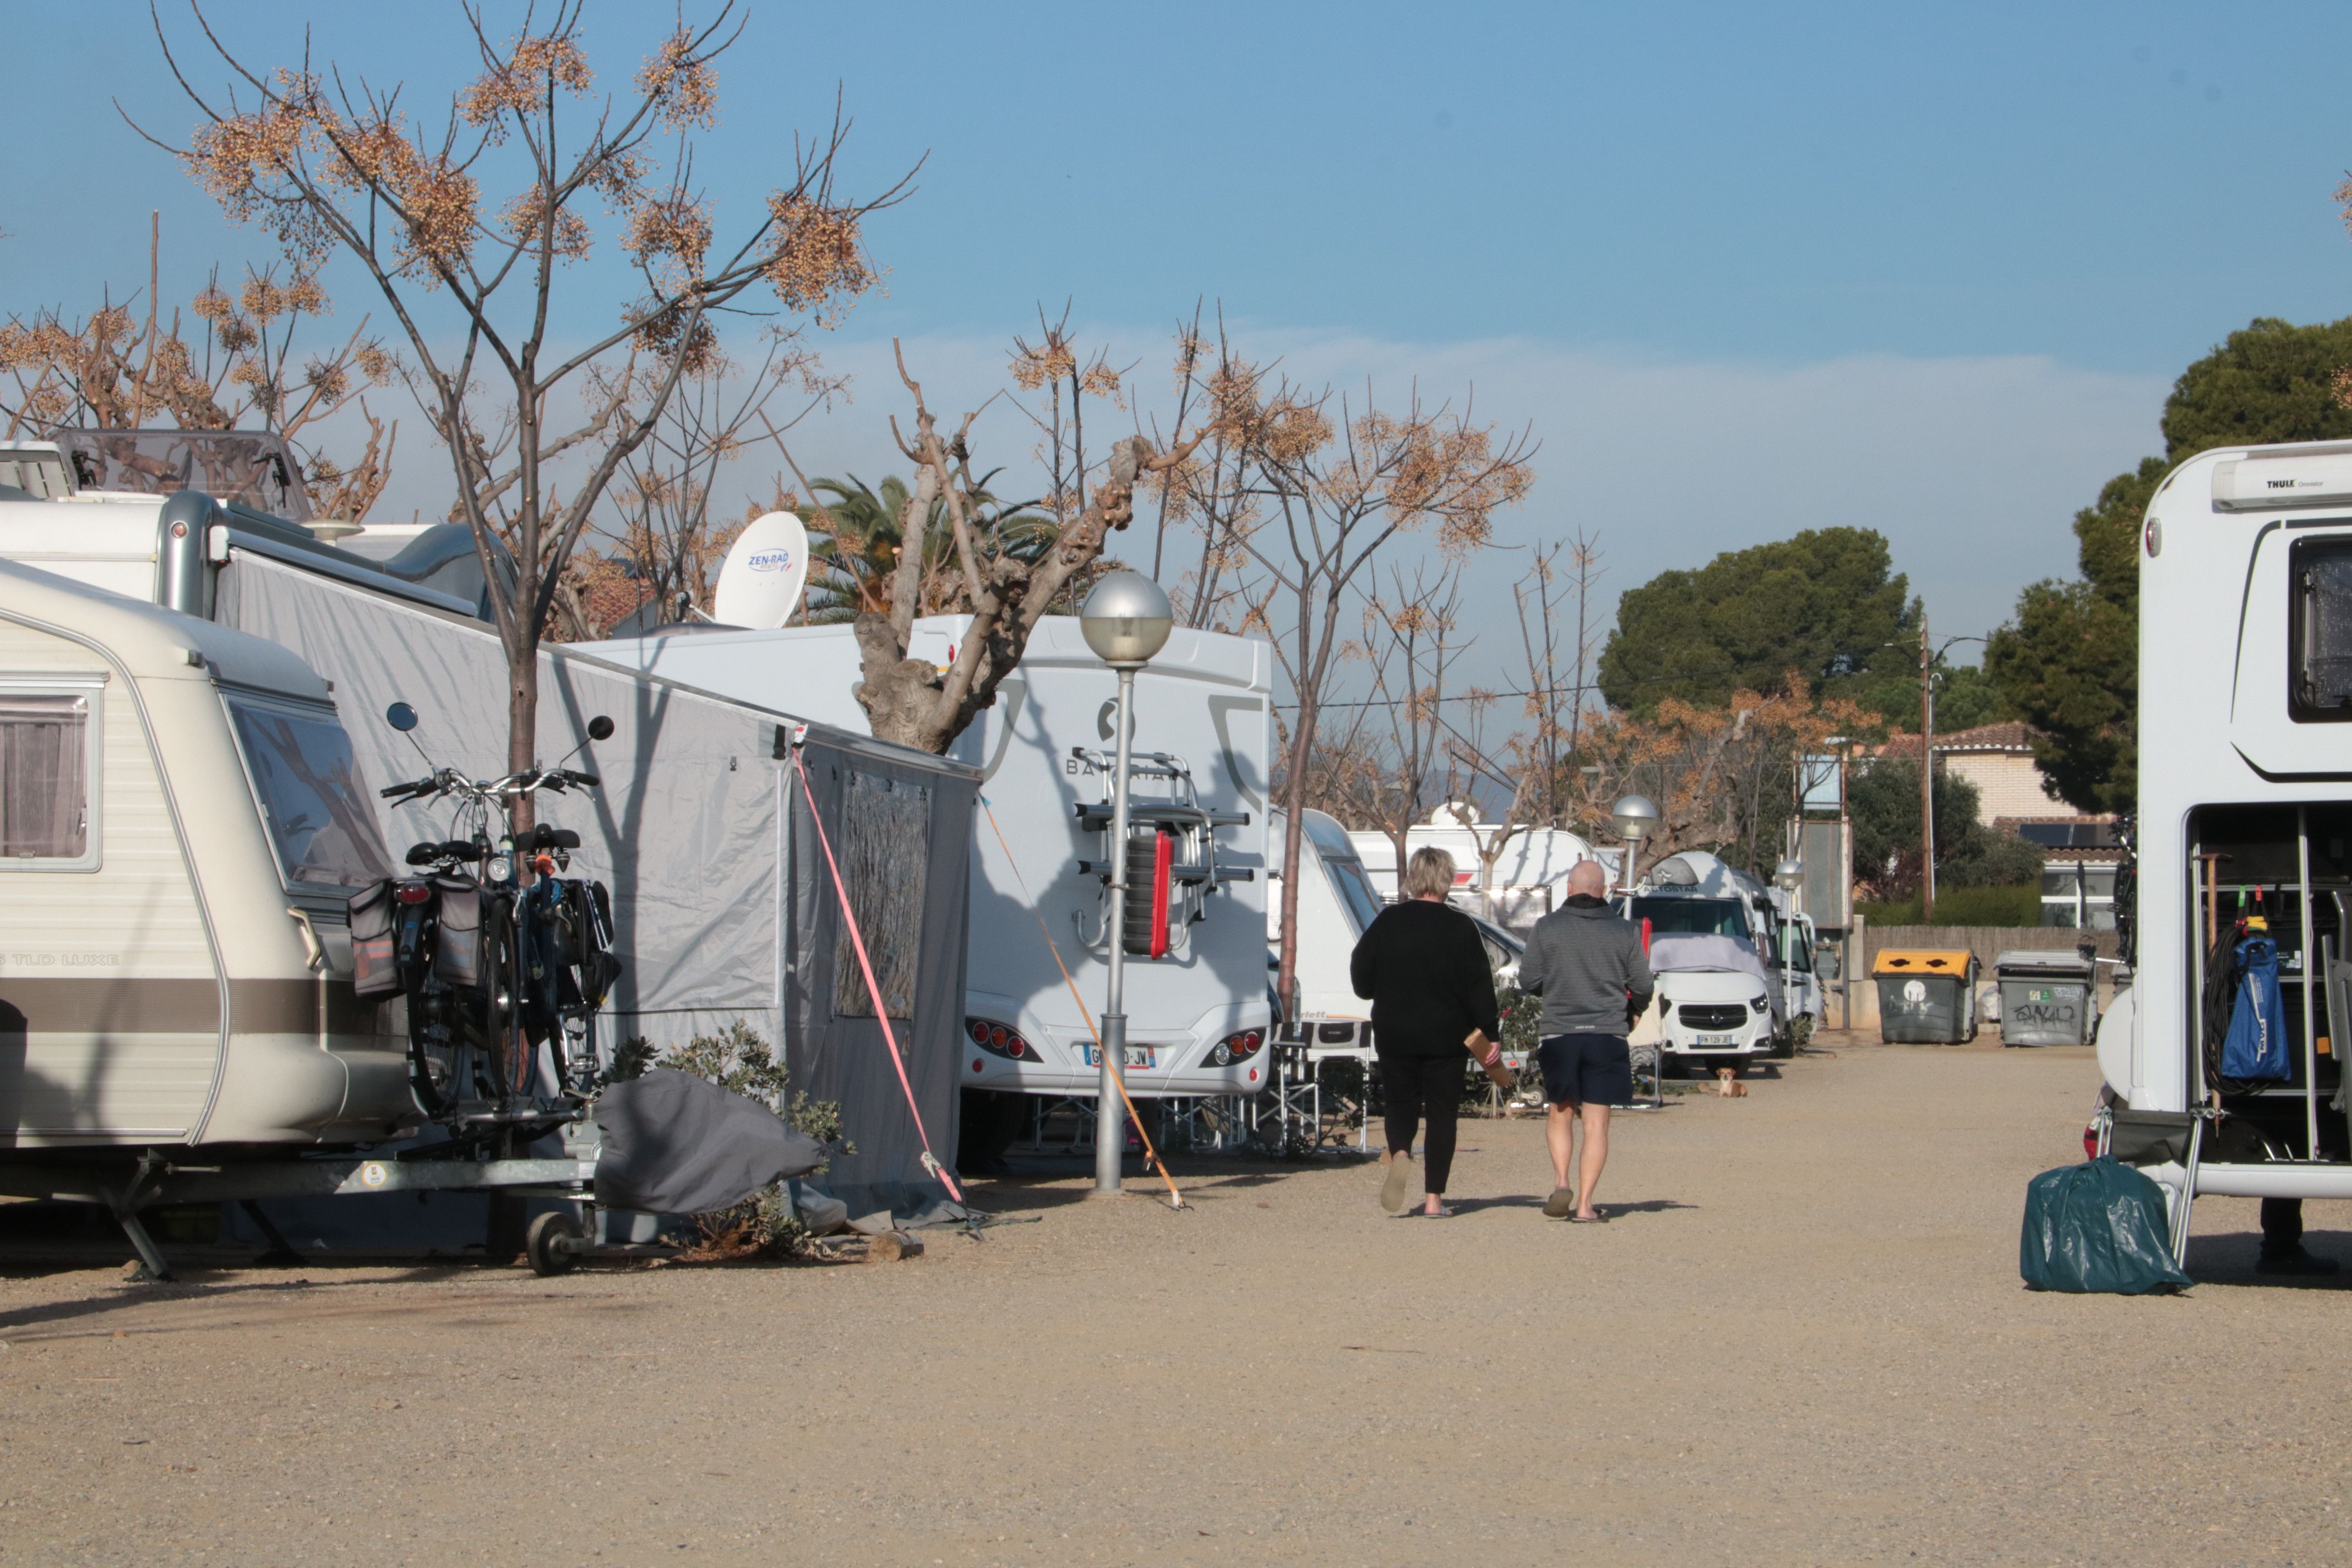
pixel 497 954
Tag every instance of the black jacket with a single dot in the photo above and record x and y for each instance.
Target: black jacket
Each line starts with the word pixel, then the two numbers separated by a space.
pixel 1426 973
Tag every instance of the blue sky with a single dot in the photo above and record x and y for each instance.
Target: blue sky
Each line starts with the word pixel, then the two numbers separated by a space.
pixel 1742 270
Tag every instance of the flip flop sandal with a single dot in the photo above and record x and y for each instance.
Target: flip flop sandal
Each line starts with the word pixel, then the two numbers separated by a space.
pixel 1444 1211
pixel 1393 1184
pixel 1561 1203
pixel 1596 1217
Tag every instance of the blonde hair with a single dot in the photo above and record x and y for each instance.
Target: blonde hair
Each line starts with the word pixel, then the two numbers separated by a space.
pixel 1429 874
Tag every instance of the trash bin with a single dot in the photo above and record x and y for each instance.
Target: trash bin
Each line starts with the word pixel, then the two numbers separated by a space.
pixel 1926 997
pixel 2047 998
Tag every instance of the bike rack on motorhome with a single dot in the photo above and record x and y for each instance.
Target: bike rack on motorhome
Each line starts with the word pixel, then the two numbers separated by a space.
pixel 2244 809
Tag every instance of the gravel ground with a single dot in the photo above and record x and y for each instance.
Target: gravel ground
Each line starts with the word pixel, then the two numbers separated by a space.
pixel 1803 1340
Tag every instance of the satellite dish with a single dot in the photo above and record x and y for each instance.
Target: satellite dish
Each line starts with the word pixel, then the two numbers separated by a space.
pixel 766 568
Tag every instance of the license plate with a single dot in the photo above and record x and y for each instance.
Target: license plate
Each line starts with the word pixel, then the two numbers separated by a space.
pixel 1136 1056
pixel 1718 1039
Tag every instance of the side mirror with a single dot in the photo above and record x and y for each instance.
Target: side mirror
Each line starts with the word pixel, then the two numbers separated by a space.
pixel 400 717
pixel 1827 961
pixel 600 728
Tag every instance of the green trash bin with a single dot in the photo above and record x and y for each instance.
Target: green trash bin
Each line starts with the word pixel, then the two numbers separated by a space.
pixel 1927 996
pixel 2046 997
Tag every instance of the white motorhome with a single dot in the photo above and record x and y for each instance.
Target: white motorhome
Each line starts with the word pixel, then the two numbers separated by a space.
pixel 2244 809
pixel 180 823
pixel 1530 875
pixel 1716 1004
pixel 1198 1015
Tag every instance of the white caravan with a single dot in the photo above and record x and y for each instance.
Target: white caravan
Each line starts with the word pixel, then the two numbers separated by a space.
pixel 1198 1014
pixel 184 821
pixel 2244 808
pixel 1531 874
pixel 1716 1004
pixel 1336 906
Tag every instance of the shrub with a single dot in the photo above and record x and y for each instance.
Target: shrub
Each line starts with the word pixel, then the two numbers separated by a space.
pixel 740 1062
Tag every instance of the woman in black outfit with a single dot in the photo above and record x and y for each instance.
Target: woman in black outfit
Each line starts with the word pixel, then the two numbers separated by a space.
pixel 1426 973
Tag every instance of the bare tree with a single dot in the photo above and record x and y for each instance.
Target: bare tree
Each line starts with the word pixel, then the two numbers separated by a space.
pixel 1556 642
pixel 674 535
pixel 913 701
pixel 331 164
pixel 1212 489
pixel 1717 775
pixel 1409 646
pixel 115 371
pixel 1338 486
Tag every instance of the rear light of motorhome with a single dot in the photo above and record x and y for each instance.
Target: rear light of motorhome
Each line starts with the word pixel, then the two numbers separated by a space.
pixel 412 892
pixel 998 1041
pixel 2091 1142
pixel 1238 1047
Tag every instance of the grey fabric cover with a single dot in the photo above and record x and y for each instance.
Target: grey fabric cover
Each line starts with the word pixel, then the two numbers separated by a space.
pixel 689 829
pixel 1672 950
pixel 674 1144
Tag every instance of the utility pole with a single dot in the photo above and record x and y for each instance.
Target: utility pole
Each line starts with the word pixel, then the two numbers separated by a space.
pixel 1927 773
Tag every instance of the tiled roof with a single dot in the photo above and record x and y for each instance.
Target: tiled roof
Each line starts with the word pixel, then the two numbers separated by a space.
pixel 2009 736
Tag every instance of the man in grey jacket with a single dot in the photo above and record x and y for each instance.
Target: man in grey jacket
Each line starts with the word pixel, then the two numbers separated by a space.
pixel 1587 963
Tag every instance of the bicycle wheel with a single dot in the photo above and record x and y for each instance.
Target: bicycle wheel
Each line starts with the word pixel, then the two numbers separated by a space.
pixel 433 1052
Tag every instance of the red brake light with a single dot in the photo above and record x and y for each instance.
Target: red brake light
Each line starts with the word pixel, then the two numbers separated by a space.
pixel 2091 1142
pixel 412 892
pixel 997 1040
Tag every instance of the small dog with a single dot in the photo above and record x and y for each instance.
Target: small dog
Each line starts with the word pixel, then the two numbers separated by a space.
pixel 1728 1087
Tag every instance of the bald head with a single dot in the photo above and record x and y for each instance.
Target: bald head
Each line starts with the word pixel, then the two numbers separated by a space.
pixel 1588 878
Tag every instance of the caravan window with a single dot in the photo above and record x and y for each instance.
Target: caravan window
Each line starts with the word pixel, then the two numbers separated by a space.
pixel 49 769
pixel 308 787
pixel 2320 634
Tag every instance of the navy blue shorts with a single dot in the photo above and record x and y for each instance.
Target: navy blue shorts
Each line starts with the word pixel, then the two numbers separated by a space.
pixel 1586 1069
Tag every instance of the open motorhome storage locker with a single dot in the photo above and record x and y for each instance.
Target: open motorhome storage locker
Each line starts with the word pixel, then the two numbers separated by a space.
pixel 723 907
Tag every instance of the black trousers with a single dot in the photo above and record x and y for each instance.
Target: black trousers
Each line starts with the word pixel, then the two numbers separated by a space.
pixel 2282 1225
pixel 1418 1089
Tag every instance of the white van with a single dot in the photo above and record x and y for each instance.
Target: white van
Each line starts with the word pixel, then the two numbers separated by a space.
pixel 184 822
pixel 1198 1016
pixel 1716 1003
pixel 2244 809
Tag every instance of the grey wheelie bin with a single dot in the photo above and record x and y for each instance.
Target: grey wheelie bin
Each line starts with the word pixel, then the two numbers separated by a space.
pixel 2047 998
pixel 1927 996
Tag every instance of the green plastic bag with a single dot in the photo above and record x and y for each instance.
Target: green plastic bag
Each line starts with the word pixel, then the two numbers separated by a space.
pixel 2096 1226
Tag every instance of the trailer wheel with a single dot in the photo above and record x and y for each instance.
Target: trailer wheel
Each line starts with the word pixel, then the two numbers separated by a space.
pixel 541 1244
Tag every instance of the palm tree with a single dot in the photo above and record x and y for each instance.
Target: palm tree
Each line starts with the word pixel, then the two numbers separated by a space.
pixel 854 545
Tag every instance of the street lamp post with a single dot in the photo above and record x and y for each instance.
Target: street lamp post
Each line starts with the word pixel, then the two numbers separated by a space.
pixel 1634 817
pixel 1126 621
pixel 1928 662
